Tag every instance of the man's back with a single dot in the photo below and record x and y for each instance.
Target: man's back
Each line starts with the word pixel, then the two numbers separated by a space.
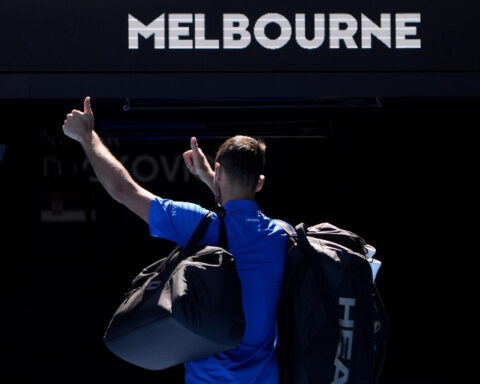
pixel 256 242
pixel 258 246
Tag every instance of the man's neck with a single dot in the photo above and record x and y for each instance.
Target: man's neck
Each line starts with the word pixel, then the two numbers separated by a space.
pixel 236 194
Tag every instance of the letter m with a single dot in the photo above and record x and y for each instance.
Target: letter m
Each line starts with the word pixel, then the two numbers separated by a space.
pixel 156 27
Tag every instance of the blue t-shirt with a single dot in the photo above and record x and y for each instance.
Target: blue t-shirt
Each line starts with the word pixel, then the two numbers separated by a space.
pixel 259 246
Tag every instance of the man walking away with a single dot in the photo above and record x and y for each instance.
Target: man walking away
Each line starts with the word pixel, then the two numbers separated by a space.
pixel 257 243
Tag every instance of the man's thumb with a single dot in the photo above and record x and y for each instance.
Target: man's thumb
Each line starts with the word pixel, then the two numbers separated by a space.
pixel 87 108
pixel 194 144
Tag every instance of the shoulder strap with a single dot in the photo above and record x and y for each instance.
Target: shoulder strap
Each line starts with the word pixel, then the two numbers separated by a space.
pixel 198 234
pixel 298 235
pixel 222 236
pixel 286 227
pixel 202 229
pixel 302 239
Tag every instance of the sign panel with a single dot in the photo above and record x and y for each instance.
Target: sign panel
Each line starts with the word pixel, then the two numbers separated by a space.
pixel 137 36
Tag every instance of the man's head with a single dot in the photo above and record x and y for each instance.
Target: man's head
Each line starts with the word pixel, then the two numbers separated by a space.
pixel 239 165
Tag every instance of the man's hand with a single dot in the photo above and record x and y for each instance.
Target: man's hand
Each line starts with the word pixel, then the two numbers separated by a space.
pixel 79 125
pixel 110 172
pixel 197 164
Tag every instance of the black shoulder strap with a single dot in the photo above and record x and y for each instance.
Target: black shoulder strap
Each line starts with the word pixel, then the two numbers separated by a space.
pixel 198 234
pixel 202 229
pixel 299 234
pixel 222 236
pixel 302 239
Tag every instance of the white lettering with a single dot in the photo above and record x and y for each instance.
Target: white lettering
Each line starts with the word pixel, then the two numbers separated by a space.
pixel 337 34
pixel 319 31
pixel 176 31
pixel 341 373
pixel 200 41
pixel 347 302
pixel 402 30
pixel 345 343
pixel 235 25
pixel 347 339
pixel 285 31
pixel 382 32
pixel 156 27
pixel 188 31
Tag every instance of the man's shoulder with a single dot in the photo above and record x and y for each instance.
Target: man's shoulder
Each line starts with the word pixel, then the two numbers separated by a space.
pixel 284 224
pixel 174 220
pixel 175 207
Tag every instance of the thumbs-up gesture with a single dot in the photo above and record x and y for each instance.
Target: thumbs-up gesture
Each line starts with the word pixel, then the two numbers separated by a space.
pixel 197 163
pixel 78 125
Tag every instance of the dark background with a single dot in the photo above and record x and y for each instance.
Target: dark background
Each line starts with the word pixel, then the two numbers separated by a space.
pixel 380 142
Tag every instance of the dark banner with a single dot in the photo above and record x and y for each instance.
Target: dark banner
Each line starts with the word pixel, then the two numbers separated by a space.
pixel 132 36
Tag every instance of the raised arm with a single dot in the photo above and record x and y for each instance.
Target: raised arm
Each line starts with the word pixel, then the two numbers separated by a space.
pixel 109 171
pixel 197 164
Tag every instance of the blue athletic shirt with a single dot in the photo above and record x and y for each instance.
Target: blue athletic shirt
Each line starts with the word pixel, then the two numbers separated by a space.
pixel 259 247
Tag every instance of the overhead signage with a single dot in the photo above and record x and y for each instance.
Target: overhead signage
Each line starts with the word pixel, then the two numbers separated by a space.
pixel 188 31
pixel 138 36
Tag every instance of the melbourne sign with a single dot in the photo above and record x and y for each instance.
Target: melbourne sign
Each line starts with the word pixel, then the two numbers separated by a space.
pixel 188 31
pixel 191 36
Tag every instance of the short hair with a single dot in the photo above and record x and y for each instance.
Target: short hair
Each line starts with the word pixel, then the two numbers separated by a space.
pixel 243 158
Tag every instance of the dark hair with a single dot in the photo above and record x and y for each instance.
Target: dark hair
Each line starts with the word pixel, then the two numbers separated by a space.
pixel 243 158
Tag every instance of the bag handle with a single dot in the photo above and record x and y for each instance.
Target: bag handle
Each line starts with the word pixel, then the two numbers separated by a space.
pixel 301 231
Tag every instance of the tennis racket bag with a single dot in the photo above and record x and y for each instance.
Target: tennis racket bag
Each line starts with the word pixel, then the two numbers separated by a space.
pixel 332 323
pixel 184 307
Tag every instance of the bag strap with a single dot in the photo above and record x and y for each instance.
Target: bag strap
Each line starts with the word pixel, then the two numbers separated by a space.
pixel 222 236
pixel 285 316
pixel 287 228
pixel 198 234
pixel 202 229
pixel 298 236
pixel 301 231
